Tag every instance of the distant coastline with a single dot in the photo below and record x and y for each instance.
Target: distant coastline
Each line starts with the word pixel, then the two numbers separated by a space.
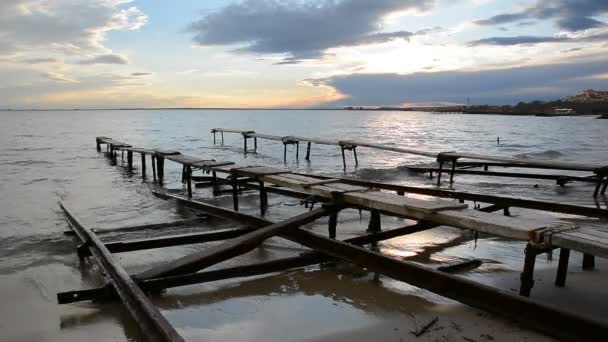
pixel 588 102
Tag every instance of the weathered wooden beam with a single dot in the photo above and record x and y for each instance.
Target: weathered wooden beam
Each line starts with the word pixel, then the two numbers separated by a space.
pixel 506 201
pixel 175 240
pixel 153 325
pixel 504 174
pixel 229 249
pixel 179 223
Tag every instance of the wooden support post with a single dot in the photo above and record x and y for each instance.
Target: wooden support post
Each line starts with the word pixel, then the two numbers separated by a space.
pixel 454 162
pixel 222 137
pixel 122 156
pixel 183 174
pixel 598 185
pixel 232 248
pixel 235 191
pixel 308 151
pixel 604 187
pixel 375 223
pixel 332 224
pixel 214 138
pixel 160 166
pixel 189 180
pixel 343 158
pixel 527 276
pixel 255 144
pixel 562 267
pixel 98 145
pixel 439 173
pixel 244 143
pixel 588 262
pixel 263 198
pixel 355 154
pixel 216 187
pixel 506 211
pixel 143 165
pixel 284 152
pixel 130 161
pixel 153 161
pixel 297 150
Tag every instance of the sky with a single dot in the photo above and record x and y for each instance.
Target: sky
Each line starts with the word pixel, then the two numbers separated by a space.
pixel 298 53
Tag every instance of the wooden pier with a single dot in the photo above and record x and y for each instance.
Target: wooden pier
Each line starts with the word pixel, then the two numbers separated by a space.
pixel 598 172
pixel 335 194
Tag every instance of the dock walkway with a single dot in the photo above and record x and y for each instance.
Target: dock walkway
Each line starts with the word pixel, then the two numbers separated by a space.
pixel 591 239
pixel 599 170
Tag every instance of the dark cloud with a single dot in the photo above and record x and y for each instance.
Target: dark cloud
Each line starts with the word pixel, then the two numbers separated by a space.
pixel 138 74
pixel 519 40
pixel 502 19
pixel 568 14
pixel 105 59
pixel 303 30
pixel 40 60
pixel 543 82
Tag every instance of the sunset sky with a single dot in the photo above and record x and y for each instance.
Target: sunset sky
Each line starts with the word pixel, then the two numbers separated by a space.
pixel 315 53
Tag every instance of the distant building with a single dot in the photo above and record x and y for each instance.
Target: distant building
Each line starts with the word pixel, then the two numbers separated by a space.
pixel 589 95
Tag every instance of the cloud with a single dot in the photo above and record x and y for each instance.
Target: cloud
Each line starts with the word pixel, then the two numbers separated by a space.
pixel 139 74
pixel 502 19
pixel 42 60
pixel 70 27
pixel 105 59
pixel 519 40
pixel 55 76
pixel 567 14
pixel 300 30
pixel 497 86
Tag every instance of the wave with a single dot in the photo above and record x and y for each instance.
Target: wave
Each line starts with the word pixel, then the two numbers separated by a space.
pixel 383 174
pixel 548 154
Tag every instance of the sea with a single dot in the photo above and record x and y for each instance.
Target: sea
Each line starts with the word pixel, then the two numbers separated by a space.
pixel 51 155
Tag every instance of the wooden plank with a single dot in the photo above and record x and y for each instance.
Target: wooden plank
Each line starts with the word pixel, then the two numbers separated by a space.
pixel 395 202
pixel 226 130
pixel 417 209
pixel 174 240
pixel 469 196
pixel 178 223
pixel 572 241
pixel 185 159
pixel 256 171
pixel 211 163
pixel 152 323
pixel 241 245
pixel 167 152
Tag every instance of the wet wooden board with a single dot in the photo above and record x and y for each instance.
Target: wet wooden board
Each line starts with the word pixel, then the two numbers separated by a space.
pixel 167 152
pixel 591 240
pixel 439 211
pixel 256 171
pixel 185 159
pixel 205 164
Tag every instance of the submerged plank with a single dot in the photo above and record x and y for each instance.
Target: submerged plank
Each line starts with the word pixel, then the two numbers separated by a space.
pixel 238 246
